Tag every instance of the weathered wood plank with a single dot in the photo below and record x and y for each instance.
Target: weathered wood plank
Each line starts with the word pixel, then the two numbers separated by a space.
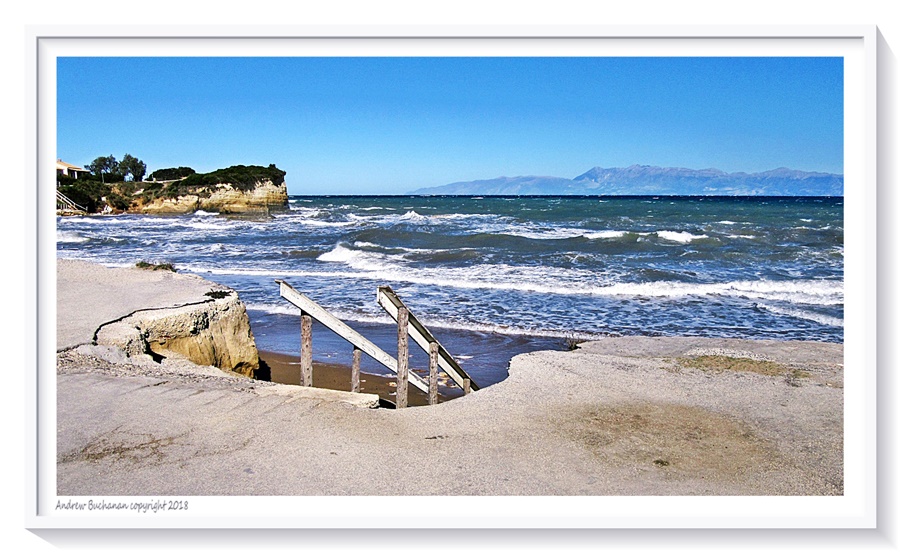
pixel 433 373
pixel 306 350
pixel 354 371
pixel 402 358
pixel 392 303
pixel 307 305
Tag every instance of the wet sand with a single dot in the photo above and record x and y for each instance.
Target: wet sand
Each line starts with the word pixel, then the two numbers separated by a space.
pixel 286 369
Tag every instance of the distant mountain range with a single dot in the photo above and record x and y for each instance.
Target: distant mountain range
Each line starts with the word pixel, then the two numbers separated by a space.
pixel 649 180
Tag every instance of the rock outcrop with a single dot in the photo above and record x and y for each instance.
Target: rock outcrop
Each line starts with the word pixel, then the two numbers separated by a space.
pixel 223 198
pixel 212 332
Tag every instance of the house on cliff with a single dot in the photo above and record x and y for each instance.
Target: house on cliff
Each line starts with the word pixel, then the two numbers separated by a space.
pixel 67 169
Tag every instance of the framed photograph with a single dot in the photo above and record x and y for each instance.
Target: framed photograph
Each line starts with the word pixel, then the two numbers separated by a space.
pixel 432 278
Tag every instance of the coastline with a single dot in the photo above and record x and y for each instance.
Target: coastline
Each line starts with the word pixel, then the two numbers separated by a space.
pixel 630 416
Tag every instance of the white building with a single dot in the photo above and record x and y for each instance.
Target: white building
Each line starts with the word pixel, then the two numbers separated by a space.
pixel 66 169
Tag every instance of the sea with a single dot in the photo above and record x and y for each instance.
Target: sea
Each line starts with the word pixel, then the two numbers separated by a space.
pixel 492 277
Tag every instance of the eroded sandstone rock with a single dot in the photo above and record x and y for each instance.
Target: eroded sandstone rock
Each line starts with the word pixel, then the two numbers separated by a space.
pixel 223 198
pixel 213 332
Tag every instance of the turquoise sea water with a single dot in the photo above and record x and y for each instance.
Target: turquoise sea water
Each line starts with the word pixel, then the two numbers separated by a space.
pixel 496 276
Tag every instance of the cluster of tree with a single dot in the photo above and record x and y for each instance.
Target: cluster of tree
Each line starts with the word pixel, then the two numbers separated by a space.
pixel 109 183
pixel 242 177
pixel 108 169
pixel 171 174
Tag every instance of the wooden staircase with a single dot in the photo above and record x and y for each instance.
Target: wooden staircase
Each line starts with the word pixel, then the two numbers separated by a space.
pixel 65 206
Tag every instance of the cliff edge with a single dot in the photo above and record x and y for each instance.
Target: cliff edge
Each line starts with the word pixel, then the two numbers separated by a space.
pixel 222 198
pixel 238 189
pixel 154 314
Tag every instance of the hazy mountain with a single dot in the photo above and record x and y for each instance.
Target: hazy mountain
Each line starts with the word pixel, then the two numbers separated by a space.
pixel 505 185
pixel 649 180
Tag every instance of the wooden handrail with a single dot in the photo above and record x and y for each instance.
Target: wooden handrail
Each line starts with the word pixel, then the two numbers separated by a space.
pixel 309 307
pixel 67 203
pixel 392 304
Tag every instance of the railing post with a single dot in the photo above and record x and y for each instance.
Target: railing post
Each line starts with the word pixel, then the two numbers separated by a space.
pixel 354 372
pixel 315 311
pixel 306 350
pixel 402 357
pixel 433 373
pixel 391 303
pixel 467 386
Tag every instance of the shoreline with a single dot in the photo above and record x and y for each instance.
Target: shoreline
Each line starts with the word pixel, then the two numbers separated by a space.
pixel 624 416
pixel 285 369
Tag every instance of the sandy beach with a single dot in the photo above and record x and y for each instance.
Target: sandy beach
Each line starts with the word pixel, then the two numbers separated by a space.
pixel 621 416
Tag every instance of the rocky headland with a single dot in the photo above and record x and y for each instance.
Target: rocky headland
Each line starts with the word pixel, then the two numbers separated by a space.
pixel 221 198
pixel 251 190
pixel 236 190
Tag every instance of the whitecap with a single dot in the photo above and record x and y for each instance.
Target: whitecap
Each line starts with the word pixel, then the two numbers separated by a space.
pixel 680 237
pixel 359 260
pixel 809 292
pixel 70 237
pixel 819 318
pixel 413 216
pixel 605 235
pixel 206 226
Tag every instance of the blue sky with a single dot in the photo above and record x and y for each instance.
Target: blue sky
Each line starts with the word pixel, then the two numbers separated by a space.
pixel 391 125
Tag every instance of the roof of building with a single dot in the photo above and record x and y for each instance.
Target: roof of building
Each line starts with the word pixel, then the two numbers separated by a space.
pixel 60 164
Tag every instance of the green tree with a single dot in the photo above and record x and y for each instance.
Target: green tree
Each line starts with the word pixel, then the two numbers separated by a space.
pixel 133 167
pixel 172 173
pixel 104 165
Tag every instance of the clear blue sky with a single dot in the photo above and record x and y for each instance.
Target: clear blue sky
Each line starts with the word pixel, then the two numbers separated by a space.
pixel 391 125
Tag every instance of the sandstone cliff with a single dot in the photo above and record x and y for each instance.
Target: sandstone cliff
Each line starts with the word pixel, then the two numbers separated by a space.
pixel 212 332
pixel 222 198
pixel 239 189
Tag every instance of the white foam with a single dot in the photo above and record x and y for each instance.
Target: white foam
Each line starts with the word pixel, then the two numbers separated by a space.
pixel 823 319
pixel 680 237
pixel 605 235
pixel 412 216
pixel 543 233
pixel 207 226
pixel 552 281
pixel 370 245
pixel 359 260
pixel 324 223
pixel 70 237
pixel 554 233
pixel 809 292
pixel 93 219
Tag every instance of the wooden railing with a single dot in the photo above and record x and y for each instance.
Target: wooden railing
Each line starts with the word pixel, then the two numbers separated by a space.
pixel 65 204
pixel 407 325
pixel 392 304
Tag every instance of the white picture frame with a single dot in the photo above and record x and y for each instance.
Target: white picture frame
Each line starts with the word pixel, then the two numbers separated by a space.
pixel 855 509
